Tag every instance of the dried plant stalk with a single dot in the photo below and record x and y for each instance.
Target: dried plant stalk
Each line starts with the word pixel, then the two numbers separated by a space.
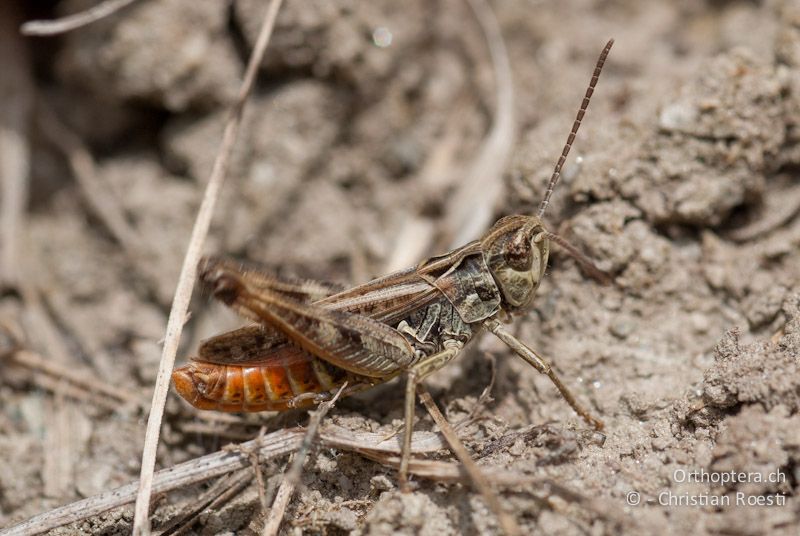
pixel 72 22
pixel 183 293
pixel 220 463
pixel 507 522
pixel 292 476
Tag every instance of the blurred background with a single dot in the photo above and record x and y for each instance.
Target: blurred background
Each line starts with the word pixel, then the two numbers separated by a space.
pixel 380 133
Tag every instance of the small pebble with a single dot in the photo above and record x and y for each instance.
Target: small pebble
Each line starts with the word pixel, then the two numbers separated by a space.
pixel 621 328
pixel 700 323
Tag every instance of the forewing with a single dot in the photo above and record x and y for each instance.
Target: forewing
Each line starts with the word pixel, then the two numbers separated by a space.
pixel 385 302
pixel 302 290
pixel 393 297
pixel 350 329
pixel 351 341
pixel 388 299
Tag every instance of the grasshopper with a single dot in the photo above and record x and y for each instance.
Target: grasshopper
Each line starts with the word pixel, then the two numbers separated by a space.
pixel 309 341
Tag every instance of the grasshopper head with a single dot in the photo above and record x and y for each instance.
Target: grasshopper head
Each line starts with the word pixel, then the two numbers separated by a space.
pixel 516 248
pixel 516 252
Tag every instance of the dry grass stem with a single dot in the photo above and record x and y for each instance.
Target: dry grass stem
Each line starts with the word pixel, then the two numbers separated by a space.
pixel 451 472
pixel 282 498
pixel 16 91
pixel 84 380
pixel 221 492
pixel 101 360
pixel 59 388
pixel 256 463
pixel 71 22
pixel 200 469
pixel 292 476
pixel 508 523
pixel 214 430
pixel 183 293
pixel 412 243
pixel 181 475
pixel 101 201
pixel 338 437
pixel 60 459
pixel 470 209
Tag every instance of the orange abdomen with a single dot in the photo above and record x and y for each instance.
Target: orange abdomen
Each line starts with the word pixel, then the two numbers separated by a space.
pixel 271 387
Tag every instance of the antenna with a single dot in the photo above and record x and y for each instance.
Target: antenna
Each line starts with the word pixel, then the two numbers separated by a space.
pixel 575 126
pixel 592 269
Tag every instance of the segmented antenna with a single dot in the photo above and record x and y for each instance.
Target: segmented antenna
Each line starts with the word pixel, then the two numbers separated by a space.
pixel 590 267
pixel 575 126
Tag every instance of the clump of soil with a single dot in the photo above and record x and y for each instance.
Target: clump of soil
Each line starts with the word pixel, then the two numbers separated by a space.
pixel 685 190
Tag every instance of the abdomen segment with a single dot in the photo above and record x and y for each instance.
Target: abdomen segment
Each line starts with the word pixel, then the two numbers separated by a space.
pixel 272 387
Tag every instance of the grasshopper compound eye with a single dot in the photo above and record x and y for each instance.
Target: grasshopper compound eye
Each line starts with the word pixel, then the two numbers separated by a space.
pixel 518 255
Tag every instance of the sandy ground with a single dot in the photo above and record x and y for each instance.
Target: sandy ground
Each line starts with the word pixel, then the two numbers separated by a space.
pixel 685 188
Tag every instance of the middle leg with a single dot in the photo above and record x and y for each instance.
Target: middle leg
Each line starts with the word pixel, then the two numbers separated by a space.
pixel 416 374
pixel 540 364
